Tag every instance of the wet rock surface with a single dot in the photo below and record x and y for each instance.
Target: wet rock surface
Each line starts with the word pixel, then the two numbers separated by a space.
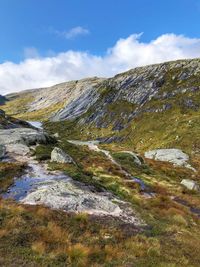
pixel 76 197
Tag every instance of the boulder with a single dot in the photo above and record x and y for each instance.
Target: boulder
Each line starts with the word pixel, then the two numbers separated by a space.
pixel 18 149
pixel 58 155
pixel 136 158
pixel 190 184
pixel 175 156
pixel 26 136
pixel 56 135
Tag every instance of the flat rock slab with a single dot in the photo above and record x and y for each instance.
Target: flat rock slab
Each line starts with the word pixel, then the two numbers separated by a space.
pixel 26 136
pixel 175 156
pixel 76 197
pixel 190 184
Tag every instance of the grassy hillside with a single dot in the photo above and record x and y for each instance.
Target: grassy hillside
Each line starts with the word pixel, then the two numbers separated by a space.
pixel 38 236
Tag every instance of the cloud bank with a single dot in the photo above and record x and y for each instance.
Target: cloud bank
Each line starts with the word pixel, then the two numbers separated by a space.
pixel 36 72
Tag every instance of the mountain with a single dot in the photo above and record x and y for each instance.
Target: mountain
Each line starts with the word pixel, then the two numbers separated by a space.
pixel 136 108
pixel 113 169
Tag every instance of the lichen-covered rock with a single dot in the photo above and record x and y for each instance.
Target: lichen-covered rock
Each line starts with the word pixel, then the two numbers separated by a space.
pixel 175 156
pixel 190 184
pixel 58 155
pixel 18 149
pixel 77 197
pixel 26 136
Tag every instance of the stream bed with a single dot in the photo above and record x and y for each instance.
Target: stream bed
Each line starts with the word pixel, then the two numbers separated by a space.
pixel 57 190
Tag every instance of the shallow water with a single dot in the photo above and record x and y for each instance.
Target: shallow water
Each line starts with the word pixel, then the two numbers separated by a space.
pixel 34 176
pixel 36 124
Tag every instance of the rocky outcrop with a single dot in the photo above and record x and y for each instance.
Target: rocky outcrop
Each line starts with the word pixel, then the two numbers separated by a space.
pixel 58 155
pixel 16 136
pixel 175 156
pixel 77 197
pixel 8 122
pixel 26 136
pixel 17 141
pixel 133 92
pixel 190 184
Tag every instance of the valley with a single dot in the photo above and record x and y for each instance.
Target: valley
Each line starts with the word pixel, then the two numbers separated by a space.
pixel 103 172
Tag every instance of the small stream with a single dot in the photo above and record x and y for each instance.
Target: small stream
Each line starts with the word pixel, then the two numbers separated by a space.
pixel 35 175
pixel 54 189
pixel 36 124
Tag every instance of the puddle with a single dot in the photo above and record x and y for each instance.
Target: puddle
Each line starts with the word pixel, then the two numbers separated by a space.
pixel 36 124
pixel 34 176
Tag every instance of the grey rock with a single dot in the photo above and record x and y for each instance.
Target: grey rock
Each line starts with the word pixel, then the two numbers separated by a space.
pixel 190 184
pixel 58 155
pixel 76 197
pixel 17 141
pixel 56 135
pixel 26 136
pixel 18 149
pixel 175 156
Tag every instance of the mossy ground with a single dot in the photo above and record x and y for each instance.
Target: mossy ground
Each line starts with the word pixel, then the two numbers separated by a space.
pixel 172 227
pixel 38 236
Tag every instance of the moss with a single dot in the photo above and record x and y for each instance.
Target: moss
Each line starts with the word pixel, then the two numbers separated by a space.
pixel 9 171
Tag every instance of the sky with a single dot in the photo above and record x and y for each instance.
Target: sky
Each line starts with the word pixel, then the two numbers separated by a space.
pixel 44 42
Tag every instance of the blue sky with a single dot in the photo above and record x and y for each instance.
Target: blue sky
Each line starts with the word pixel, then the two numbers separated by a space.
pixel 35 31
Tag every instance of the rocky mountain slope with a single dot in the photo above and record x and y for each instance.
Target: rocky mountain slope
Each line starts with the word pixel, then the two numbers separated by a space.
pixel 136 107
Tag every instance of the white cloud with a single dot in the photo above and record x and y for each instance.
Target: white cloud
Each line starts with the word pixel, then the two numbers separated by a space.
pixel 72 33
pixel 125 54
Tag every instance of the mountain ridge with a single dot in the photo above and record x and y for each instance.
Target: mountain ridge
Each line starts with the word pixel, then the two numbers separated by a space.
pixel 122 106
